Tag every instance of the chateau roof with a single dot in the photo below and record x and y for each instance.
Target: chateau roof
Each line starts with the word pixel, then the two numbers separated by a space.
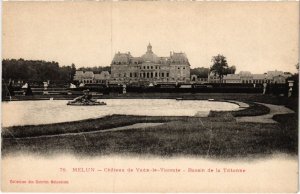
pixel 88 74
pixel 79 72
pixel 122 57
pixel 275 73
pixel 178 57
pixel 83 74
pixel 259 76
pixel 245 73
pixel 149 56
pixel 102 75
pixel 231 77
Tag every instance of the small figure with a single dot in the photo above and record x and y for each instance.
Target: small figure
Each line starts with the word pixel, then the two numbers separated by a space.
pixel 265 87
pixel 290 92
pixel 28 91
pixel 291 84
pixel 124 89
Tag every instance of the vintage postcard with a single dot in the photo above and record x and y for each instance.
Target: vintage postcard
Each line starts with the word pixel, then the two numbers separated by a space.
pixel 157 96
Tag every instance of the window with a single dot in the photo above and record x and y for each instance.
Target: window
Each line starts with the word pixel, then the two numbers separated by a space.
pixel 162 75
pixel 147 67
pixel 151 67
pixel 167 74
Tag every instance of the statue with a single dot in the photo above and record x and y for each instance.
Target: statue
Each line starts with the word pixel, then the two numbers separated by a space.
pixel 265 87
pixel 291 84
pixel 86 99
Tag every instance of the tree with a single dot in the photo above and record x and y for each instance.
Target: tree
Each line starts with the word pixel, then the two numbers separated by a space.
pixel 73 71
pixel 200 72
pixel 231 70
pixel 220 66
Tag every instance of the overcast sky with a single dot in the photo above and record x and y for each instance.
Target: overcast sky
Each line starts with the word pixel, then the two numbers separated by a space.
pixel 256 37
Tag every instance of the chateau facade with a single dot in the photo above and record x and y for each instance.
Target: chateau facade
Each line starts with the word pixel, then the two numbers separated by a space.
pixel 89 77
pixel 245 77
pixel 149 68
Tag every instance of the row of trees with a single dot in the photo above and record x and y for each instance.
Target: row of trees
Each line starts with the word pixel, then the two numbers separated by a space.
pixel 95 69
pixel 36 70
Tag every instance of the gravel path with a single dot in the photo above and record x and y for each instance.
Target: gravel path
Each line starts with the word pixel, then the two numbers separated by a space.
pixel 267 118
pixel 134 126
pixel 241 104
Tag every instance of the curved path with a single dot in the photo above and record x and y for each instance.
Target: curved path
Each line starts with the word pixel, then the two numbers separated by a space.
pixel 133 126
pixel 267 118
pixel 242 105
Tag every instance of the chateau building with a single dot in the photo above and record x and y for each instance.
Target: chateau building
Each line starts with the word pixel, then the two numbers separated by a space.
pixel 89 77
pixel 246 77
pixel 149 68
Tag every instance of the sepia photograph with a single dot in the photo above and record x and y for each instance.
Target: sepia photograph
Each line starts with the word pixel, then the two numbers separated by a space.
pixel 149 96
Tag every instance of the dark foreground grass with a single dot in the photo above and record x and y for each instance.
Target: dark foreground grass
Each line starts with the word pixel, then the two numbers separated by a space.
pixel 83 125
pixel 179 136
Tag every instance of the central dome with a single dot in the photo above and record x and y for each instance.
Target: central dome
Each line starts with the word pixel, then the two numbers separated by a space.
pixel 149 55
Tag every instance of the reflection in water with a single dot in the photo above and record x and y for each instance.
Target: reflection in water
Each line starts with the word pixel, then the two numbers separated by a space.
pixel 45 112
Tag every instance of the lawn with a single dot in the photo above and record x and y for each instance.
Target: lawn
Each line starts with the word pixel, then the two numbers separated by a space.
pixel 190 136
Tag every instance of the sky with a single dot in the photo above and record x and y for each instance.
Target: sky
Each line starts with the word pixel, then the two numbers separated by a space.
pixel 253 36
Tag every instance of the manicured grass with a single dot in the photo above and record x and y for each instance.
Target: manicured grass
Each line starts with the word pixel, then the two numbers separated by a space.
pixel 88 125
pixel 205 137
pixel 81 126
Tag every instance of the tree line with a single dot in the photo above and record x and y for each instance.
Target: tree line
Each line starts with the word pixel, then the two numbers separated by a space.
pixel 36 70
pixel 95 69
